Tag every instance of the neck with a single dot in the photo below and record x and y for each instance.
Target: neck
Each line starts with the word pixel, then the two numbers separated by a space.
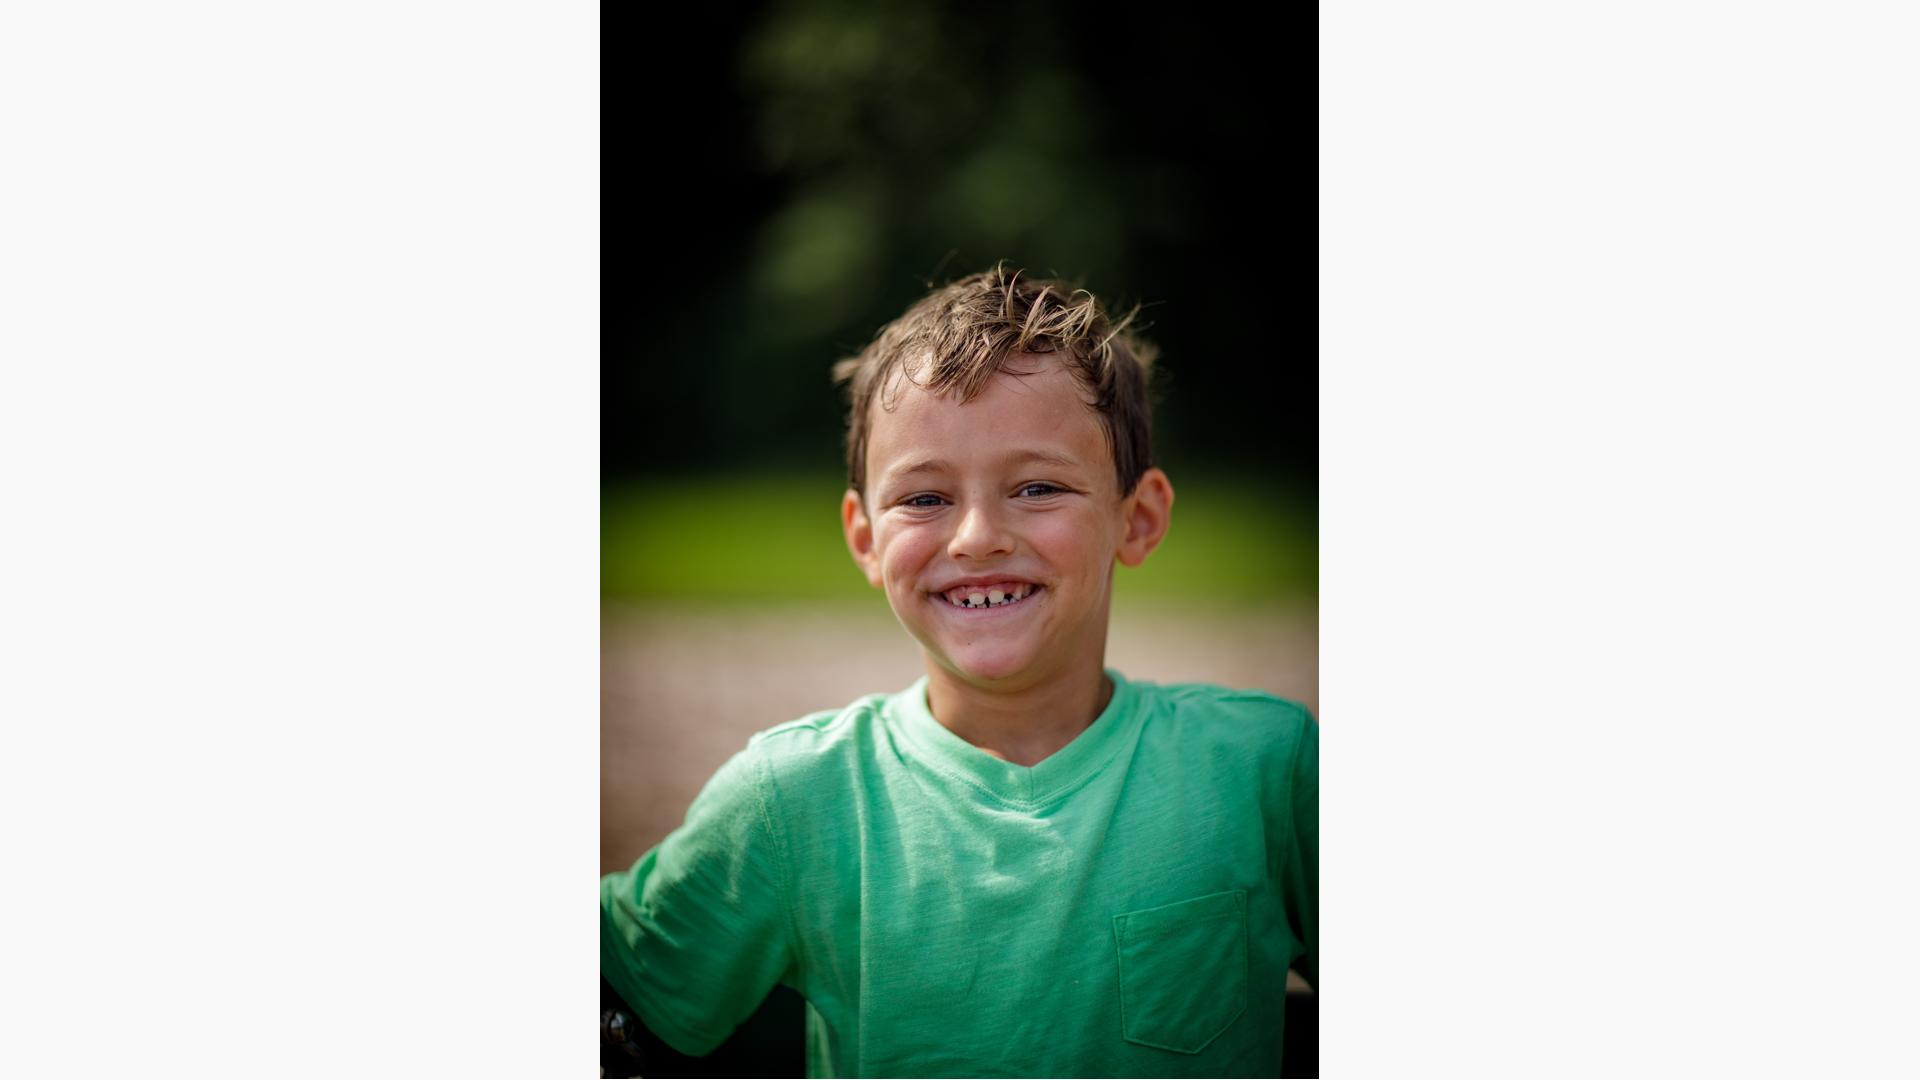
pixel 1024 726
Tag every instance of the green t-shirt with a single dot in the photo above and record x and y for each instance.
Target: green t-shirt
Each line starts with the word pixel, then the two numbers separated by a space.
pixel 1128 906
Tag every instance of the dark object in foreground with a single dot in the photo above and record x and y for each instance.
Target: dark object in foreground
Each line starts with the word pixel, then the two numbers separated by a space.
pixel 772 1041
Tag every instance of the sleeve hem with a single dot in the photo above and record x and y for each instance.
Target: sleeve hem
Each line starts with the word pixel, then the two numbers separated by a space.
pixel 614 969
pixel 682 1039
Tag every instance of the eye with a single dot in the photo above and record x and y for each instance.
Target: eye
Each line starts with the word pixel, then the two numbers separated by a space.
pixel 922 501
pixel 1040 489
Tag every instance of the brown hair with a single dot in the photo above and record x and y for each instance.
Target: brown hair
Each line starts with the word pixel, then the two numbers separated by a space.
pixel 959 336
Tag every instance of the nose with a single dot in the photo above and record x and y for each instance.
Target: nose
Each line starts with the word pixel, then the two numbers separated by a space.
pixel 980 534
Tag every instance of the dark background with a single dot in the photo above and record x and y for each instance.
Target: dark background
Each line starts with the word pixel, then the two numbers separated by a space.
pixel 781 179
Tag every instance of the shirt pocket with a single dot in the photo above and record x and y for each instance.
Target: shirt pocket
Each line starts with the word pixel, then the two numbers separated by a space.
pixel 1183 970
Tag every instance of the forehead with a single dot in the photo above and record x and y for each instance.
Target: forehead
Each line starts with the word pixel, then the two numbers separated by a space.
pixel 1034 407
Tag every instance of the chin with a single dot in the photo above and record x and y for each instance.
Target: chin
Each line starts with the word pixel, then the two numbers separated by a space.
pixel 990 668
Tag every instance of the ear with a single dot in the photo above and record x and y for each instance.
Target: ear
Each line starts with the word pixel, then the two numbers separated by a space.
pixel 1145 515
pixel 859 531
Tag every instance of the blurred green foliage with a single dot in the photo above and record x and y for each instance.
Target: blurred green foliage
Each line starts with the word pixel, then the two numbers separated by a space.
pixel 916 129
pixel 774 538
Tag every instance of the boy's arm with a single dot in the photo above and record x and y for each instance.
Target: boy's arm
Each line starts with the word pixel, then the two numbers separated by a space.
pixel 1303 880
pixel 696 933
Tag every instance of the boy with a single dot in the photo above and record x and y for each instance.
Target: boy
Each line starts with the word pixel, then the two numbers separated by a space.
pixel 1024 864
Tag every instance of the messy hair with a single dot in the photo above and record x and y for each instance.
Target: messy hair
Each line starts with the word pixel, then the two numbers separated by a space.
pixel 957 337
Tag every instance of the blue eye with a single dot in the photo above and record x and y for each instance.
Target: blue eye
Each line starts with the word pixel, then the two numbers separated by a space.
pixel 1038 490
pixel 921 500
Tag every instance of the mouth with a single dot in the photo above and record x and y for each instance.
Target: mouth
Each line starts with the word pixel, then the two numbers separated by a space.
pixel 989 597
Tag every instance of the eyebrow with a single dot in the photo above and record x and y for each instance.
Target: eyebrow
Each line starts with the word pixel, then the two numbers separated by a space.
pixel 1017 457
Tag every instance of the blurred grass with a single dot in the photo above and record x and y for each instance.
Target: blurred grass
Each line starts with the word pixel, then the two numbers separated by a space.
pixel 770 538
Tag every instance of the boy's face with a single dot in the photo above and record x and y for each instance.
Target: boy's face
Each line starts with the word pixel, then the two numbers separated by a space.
pixel 1010 498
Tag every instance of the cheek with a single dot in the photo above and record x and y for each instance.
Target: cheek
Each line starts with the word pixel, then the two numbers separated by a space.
pixel 1069 545
pixel 903 555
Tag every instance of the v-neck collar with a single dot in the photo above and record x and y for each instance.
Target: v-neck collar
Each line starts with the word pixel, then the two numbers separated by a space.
pixel 1026 786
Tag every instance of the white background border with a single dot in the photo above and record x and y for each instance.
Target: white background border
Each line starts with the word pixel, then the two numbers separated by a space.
pixel 1618 341
pixel 299 436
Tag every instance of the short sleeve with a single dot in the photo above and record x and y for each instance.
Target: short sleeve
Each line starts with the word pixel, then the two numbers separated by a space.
pixel 696 933
pixel 1302 889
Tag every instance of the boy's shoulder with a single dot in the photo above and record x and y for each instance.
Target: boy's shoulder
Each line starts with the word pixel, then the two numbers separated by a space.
pixel 812 763
pixel 823 728
pixel 1210 698
pixel 821 736
pixel 1193 714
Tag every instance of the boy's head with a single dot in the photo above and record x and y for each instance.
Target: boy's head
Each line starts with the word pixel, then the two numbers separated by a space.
pixel 954 339
pixel 999 464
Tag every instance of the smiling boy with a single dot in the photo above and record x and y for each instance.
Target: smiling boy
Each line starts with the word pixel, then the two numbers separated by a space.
pixel 993 526
pixel 1025 864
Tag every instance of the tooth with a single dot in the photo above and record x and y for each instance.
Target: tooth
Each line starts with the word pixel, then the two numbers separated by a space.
pixel 994 596
pixel 975 599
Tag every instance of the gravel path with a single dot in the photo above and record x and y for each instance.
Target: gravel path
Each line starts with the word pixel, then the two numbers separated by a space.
pixel 681 690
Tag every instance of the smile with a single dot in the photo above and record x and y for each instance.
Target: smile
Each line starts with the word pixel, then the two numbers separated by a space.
pixel 992 597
